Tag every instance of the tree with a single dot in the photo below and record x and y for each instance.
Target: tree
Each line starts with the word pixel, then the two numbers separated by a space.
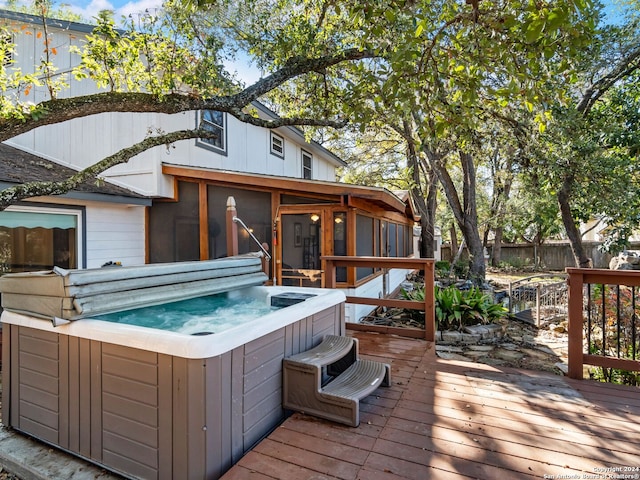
pixel 457 69
pixel 589 155
pixel 168 63
pixel 438 70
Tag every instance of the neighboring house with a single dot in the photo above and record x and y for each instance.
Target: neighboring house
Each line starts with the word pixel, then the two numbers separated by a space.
pixel 597 230
pixel 174 205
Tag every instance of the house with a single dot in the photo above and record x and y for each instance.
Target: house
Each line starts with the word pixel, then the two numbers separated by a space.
pixel 171 202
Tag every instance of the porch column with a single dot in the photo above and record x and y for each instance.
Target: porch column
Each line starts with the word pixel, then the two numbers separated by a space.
pixel 232 228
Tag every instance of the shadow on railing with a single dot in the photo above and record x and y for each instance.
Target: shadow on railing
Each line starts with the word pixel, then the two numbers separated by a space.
pixel 427 265
pixel 604 325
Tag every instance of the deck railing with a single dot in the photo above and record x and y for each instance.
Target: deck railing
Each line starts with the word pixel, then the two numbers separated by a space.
pixel 604 323
pixel 427 265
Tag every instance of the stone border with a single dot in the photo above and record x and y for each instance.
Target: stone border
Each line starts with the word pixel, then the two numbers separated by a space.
pixel 470 335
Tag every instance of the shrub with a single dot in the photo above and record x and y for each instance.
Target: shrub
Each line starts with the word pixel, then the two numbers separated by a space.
pixel 456 309
pixel 442 268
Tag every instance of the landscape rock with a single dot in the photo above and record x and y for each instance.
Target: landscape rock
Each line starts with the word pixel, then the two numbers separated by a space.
pixel 626 260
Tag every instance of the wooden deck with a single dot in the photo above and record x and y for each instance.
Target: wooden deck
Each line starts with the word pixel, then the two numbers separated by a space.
pixel 444 419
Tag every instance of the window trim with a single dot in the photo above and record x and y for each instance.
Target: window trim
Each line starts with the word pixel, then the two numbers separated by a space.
pixel 203 143
pixel 78 211
pixel 274 152
pixel 304 168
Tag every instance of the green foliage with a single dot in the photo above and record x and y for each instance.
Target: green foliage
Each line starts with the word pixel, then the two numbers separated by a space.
pixel 514 263
pixel 456 308
pixel 613 330
pixel 442 268
pixel 44 7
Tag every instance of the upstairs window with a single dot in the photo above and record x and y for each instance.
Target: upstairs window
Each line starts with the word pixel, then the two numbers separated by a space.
pixel 215 122
pixel 277 145
pixel 307 164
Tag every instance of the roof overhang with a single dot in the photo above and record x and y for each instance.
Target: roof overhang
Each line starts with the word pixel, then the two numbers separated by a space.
pixel 381 197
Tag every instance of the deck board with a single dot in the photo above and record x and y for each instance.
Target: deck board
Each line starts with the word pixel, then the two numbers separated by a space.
pixel 448 419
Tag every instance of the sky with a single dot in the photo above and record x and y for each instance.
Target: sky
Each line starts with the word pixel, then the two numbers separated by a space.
pixel 89 8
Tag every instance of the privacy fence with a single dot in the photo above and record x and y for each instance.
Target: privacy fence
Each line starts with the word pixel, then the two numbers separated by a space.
pixel 550 256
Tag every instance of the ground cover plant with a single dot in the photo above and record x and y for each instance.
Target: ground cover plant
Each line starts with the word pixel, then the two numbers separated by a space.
pixel 456 309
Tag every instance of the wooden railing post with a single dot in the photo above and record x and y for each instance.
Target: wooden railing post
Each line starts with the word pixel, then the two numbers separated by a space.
pixel 429 302
pixel 332 262
pixel 575 347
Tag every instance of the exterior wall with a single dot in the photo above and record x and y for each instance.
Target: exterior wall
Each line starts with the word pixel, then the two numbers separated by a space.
pixel 115 233
pixel 82 142
pixel 374 288
pixel 112 231
pixel 151 415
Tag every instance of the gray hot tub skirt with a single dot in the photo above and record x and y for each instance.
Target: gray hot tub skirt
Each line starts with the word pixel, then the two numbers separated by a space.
pixel 76 294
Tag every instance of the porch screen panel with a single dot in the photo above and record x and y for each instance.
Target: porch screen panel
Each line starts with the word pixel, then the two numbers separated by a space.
pixel 364 243
pixel 340 242
pixel 393 241
pixel 254 209
pixel 384 239
pixel 174 227
pixel 401 244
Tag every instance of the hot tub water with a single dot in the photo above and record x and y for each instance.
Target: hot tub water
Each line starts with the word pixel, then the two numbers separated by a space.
pixel 210 314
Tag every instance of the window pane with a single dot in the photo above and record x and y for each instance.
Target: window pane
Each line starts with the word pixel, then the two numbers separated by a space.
pixel 213 121
pixel 214 117
pixel 307 162
pixel 31 241
pixel 277 145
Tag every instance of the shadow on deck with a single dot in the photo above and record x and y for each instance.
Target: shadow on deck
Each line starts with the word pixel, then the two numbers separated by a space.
pixel 446 419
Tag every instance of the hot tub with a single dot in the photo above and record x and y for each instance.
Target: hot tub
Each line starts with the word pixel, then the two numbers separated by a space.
pixel 148 403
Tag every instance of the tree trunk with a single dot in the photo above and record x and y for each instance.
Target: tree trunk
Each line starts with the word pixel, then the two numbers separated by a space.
pixel 496 251
pixel 465 212
pixel 428 220
pixel 573 233
pixel 421 174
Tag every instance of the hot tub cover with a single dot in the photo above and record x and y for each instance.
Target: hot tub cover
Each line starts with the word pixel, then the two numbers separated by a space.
pixel 76 294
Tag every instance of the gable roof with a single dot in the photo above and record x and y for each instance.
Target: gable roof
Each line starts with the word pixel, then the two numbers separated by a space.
pixel 17 166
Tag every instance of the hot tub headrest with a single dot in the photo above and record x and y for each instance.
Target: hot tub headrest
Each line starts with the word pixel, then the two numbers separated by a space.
pixel 75 294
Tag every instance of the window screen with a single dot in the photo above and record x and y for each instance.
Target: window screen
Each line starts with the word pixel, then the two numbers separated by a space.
pixel 364 243
pixel 174 227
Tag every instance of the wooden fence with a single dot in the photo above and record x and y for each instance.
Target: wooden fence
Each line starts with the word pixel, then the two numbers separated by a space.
pixel 550 256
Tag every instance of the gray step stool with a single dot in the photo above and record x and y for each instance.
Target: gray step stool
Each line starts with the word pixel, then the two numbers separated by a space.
pixel 329 380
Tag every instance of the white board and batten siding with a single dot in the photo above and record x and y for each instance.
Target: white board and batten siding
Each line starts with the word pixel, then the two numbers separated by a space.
pixel 115 233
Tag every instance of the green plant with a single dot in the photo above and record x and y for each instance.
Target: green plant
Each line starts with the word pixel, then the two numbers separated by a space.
pixel 456 308
pixel 461 268
pixel 612 331
pixel 442 268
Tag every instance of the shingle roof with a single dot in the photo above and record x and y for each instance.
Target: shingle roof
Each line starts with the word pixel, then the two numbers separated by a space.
pixel 17 166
